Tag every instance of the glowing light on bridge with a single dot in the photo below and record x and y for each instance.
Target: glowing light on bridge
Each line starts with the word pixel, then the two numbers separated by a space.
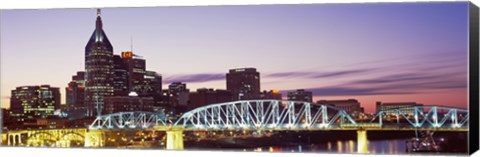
pixel 259 114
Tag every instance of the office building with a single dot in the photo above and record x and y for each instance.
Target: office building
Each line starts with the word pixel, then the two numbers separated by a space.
pixel 351 106
pixel 136 66
pixel 132 102
pixel 75 96
pixel 387 107
pixel 120 77
pixel 243 83
pixel 300 95
pixel 98 69
pixel 272 94
pixel 178 93
pixel 151 85
pixel 31 102
pixel 204 97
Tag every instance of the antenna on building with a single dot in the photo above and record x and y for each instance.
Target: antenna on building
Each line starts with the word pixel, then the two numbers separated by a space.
pixel 99 12
pixel 131 43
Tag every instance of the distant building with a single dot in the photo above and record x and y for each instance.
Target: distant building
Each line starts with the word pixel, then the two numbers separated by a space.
pixel 204 97
pixel 46 123
pixel 6 120
pixel 165 102
pixel 300 95
pixel 178 93
pixel 272 94
pixel 32 102
pixel 151 85
pixel 351 106
pixel 133 102
pixel 75 96
pixel 407 107
pixel 243 83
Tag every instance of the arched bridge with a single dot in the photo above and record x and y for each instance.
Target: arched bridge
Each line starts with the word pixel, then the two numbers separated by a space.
pixel 249 115
pixel 130 120
pixel 265 114
pixel 288 115
pixel 424 117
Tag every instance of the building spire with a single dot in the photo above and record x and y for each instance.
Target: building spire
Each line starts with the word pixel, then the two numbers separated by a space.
pixel 99 12
pixel 98 27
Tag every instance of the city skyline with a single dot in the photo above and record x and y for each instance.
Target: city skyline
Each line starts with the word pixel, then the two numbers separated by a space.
pixel 229 40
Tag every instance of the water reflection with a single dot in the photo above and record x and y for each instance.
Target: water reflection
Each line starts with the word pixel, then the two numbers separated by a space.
pixel 350 146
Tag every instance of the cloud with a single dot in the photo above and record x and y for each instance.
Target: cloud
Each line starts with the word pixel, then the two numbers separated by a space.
pixel 195 78
pixel 340 73
pixel 395 78
pixel 290 74
pixel 395 84
pixel 316 74
pixel 346 91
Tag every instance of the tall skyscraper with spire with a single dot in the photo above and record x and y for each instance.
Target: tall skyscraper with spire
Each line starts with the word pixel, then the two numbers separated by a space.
pixel 98 69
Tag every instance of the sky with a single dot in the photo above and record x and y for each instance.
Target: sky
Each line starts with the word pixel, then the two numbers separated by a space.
pixel 389 52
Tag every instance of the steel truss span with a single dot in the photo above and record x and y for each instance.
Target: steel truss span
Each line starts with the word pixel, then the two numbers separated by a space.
pixel 424 117
pixel 264 114
pixel 132 120
pixel 288 115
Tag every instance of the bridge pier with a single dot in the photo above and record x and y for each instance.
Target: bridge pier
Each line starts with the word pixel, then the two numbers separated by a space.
pixel 175 139
pixel 362 142
pixel 9 140
pixel 94 138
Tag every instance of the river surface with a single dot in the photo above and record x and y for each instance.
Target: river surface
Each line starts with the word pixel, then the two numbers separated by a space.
pixel 329 142
pixel 375 147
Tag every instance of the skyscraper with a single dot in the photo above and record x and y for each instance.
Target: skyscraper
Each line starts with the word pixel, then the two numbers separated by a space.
pixel 98 69
pixel 136 70
pixel 120 77
pixel 242 82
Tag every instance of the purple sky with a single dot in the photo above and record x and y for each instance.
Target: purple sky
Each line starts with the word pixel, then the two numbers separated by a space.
pixel 372 52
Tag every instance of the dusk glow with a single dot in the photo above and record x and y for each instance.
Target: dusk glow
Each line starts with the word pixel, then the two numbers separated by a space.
pixel 405 52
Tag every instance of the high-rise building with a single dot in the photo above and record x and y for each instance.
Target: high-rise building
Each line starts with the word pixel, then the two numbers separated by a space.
pixel 151 85
pixel 75 96
pixel 351 106
pixel 242 82
pixel 98 69
pixel 31 102
pixel 300 95
pixel 136 70
pixel 132 102
pixel 388 107
pixel 178 93
pixel 120 77
pixel 204 96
